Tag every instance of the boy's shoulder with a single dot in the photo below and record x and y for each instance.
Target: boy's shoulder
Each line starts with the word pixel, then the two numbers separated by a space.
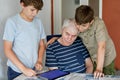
pixel 97 19
pixel 14 17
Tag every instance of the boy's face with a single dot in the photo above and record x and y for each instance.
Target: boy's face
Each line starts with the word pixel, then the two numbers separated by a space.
pixel 69 35
pixel 83 27
pixel 29 12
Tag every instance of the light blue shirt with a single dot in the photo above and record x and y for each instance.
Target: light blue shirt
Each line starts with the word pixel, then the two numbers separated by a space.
pixel 25 37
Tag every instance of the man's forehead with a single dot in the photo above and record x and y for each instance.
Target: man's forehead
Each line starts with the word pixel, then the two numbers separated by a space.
pixel 71 32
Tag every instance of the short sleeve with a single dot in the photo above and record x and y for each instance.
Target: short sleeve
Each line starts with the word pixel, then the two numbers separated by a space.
pixel 42 34
pixel 101 32
pixel 51 60
pixel 9 31
pixel 85 52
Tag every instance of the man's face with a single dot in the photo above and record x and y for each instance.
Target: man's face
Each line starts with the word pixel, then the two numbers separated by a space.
pixel 69 35
pixel 29 12
pixel 83 27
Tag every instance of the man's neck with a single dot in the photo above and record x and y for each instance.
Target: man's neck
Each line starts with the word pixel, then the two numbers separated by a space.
pixel 60 40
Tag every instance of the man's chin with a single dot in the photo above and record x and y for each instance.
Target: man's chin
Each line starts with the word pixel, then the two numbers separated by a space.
pixel 69 43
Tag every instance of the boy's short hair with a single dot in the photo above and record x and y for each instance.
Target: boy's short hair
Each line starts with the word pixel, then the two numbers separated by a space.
pixel 84 14
pixel 38 4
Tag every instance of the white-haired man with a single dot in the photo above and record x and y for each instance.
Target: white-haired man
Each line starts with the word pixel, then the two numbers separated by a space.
pixel 68 52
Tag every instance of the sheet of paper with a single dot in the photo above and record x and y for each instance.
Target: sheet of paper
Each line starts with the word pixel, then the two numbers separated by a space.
pixel 23 77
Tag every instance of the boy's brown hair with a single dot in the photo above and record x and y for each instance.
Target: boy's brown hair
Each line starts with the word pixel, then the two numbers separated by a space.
pixel 84 14
pixel 38 4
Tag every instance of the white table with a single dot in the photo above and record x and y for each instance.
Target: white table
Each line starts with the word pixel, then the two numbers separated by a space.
pixel 23 77
pixel 78 76
pixel 72 76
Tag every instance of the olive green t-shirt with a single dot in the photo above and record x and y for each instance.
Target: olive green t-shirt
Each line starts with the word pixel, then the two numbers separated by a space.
pixel 97 32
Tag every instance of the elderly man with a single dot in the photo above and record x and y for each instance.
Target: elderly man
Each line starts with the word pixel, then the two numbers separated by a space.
pixel 68 52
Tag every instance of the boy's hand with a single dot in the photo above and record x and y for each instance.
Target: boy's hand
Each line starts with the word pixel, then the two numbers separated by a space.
pixel 98 73
pixel 38 66
pixel 29 72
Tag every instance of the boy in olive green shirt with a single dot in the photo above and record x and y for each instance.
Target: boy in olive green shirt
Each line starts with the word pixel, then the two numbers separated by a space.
pixel 97 40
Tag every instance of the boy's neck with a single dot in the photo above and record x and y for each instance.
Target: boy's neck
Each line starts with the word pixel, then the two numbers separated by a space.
pixel 25 17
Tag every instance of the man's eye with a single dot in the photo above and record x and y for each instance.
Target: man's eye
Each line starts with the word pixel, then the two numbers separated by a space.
pixel 74 35
pixel 67 33
pixel 32 10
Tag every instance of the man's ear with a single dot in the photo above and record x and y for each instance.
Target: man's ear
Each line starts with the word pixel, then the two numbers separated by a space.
pixel 61 30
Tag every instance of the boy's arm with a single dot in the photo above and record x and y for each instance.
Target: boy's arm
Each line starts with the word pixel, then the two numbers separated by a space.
pixel 100 59
pixel 89 65
pixel 41 52
pixel 13 58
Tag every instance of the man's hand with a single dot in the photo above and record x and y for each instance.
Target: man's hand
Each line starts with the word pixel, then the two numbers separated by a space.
pixel 51 41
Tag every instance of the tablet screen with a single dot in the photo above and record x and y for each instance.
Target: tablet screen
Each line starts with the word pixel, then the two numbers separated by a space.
pixel 53 74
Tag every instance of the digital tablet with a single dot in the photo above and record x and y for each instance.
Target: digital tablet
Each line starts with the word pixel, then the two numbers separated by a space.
pixel 53 74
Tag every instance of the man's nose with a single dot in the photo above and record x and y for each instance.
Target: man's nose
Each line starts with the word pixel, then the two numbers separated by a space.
pixel 70 37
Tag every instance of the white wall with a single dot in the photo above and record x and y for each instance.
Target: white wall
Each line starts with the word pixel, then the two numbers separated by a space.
pixel 62 9
pixel 68 11
pixel 57 16
pixel 84 2
pixel 9 8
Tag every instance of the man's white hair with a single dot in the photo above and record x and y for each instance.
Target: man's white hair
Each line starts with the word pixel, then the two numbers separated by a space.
pixel 70 23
